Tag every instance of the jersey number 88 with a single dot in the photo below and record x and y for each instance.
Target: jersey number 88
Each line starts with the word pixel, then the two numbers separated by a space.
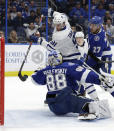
pixel 56 82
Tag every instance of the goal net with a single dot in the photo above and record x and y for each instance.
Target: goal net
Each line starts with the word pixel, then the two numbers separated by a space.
pixel 2 46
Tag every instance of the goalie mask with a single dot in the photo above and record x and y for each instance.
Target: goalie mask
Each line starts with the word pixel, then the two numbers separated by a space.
pixel 54 58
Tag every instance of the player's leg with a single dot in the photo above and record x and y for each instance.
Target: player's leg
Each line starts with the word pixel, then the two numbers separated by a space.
pixel 91 91
pixel 89 88
pixel 67 102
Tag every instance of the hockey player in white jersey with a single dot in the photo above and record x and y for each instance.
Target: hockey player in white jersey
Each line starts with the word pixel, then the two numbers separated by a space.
pixel 83 47
pixel 63 38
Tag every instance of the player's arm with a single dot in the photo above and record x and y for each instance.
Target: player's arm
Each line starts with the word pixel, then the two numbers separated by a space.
pixel 39 78
pixel 54 13
pixel 48 45
pixel 107 56
pixel 107 48
pixel 84 75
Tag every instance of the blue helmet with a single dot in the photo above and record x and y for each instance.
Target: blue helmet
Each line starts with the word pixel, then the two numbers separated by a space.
pixel 96 20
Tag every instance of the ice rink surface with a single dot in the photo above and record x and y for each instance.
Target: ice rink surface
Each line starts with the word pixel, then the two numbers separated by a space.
pixel 25 110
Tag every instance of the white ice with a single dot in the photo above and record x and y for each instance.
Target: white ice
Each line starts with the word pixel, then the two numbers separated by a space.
pixel 24 108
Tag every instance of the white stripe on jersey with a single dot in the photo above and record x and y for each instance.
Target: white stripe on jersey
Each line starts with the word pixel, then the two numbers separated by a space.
pixel 107 53
pixel 84 76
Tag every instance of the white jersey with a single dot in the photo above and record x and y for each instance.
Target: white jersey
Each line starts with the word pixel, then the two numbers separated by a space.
pixel 64 41
pixel 84 49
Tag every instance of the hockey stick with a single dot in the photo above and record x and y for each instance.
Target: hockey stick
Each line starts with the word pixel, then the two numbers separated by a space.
pixel 97 59
pixel 106 61
pixel 100 75
pixel 103 75
pixel 24 77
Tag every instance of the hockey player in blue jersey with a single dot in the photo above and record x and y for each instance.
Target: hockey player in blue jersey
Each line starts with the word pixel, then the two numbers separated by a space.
pixel 60 79
pixel 100 50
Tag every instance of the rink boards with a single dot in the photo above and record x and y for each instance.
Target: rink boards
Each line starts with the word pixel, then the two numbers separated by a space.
pixel 37 57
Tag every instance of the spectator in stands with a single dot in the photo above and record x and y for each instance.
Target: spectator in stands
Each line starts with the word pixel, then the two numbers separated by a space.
pixel 110 30
pixel 93 6
pixel 77 14
pixel 100 11
pixel 30 29
pixel 77 11
pixel 15 3
pixel 13 37
pixel 1 34
pixel 9 20
pixel 2 13
pixel 103 2
pixel 38 12
pixel 32 6
pixel 18 20
pixel 42 30
pixel 26 12
pixel 62 5
pixel 86 12
pixel 13 13
pixel 111 10
pixel 34 37
pixel 50 27
pixel 31 18
pixel 21 6
pixel 107 16
pixel 38 21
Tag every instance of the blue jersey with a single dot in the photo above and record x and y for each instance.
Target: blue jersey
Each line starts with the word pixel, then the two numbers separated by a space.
pixel 99 47
pixel 64 76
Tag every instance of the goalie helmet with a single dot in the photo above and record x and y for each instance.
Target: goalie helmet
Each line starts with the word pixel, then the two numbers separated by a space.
pixel 79 34
pixel 54 58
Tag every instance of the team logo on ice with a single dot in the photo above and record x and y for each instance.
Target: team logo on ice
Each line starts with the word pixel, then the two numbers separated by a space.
pixel 97 38
pixel 37 56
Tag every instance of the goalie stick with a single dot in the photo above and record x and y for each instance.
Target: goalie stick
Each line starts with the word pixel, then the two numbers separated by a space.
pixel 24 77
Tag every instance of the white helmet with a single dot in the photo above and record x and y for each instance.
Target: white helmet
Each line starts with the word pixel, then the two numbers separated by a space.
pixel 79 34
pixel 59 19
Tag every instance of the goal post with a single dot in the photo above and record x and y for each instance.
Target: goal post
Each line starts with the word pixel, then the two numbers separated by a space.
pixel 2 66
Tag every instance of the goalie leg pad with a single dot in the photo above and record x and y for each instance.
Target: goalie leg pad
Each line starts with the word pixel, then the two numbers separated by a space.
pixel 100 109
pixel 87 117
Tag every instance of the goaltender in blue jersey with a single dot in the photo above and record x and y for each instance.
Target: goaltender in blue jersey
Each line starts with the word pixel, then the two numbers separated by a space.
pixel 100 49
pixel 60 79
